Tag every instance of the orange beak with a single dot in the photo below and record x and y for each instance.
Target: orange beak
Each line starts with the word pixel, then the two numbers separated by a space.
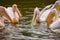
pixel 34 21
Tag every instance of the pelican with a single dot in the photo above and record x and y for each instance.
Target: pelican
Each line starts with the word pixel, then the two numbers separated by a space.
pixel 50 16
pixel 42 16
pixel 12 14
pixel 55 25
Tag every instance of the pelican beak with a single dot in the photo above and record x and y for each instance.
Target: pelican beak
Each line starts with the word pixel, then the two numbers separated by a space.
pixel 35 16
pixel 34 21
pixel 20 14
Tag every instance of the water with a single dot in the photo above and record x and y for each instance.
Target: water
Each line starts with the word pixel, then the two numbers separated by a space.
pixel 25 32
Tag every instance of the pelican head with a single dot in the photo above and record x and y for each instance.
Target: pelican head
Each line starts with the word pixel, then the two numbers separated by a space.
pixel 55 26
pixel 12 14
pixel 35 16
pixel 57 5
pixel 17 14
pixel 14 6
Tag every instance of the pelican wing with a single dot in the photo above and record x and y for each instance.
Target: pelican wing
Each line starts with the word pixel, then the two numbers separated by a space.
pixel 45 14
pixel 3 13
pixel 55 26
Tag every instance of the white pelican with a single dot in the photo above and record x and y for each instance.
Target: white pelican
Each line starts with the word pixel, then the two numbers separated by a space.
pixel 47 17
pixel 42 16
pixel 55 26
pixel 11 13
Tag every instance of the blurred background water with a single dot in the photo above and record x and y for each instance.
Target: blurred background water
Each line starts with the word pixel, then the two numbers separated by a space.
pixel 27 7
